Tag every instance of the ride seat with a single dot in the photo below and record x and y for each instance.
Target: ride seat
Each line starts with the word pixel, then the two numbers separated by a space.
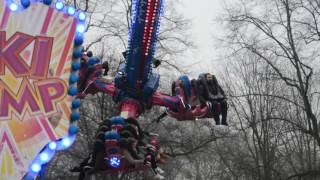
pixel 117 127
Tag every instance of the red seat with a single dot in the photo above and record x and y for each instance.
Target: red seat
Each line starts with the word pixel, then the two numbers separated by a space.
pixel 111 142
pixel 117 127
pixel 111 146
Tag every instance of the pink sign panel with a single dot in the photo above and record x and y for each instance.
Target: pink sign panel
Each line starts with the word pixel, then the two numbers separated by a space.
pixel 36 45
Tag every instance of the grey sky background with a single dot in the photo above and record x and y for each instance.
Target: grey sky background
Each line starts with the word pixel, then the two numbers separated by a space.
pixel 204 30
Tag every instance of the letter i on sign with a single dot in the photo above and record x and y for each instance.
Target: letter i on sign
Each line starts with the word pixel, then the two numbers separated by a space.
pixel 10 55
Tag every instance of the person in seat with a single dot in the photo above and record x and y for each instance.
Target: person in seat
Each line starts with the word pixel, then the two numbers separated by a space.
pixel 98 148
pixel 187 89
pixel 131 153
pixel 210 90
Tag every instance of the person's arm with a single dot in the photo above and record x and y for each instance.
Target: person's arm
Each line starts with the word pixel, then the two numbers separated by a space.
pixel 222 92
pixel 173 88
pixel 201 93
pixel 142 149
pixel 130 159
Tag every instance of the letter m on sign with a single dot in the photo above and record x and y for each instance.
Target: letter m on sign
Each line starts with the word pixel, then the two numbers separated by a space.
pixel 36 46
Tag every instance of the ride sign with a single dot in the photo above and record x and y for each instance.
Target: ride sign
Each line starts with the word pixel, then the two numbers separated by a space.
pixel 43 93
pixel 36 62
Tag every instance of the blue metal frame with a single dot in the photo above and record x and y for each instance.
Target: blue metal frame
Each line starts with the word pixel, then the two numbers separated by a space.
pixel 136 58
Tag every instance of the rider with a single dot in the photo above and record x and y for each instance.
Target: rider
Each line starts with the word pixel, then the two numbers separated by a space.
pixel 98 148
pixel 187 92
pixel 129 146
pixel 187 89
pixel 210 90
pixel 130 152
pixel 90 68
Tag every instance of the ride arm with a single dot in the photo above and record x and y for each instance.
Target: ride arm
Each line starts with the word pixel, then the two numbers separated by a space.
pixel 97 85
pixel 104 87
pixel 93 82
pixel 172 102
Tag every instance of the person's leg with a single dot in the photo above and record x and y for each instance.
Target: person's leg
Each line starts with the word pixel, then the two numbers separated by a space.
pixel 134 153
pixel 82 175
pixel 153 162
pixel 97 148
pixel 100 136
pixel 85 161
pixel 224 111
pixel 90 161
pixel 151 159
pixel 106 122
pixel 136 124
pixel 82 164
pixel 214 112
pixel 103 129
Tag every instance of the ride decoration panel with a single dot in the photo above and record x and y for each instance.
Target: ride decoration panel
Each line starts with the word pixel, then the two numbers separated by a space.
pixel 40 47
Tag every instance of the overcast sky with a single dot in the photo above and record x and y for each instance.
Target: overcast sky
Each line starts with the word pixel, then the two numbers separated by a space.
pixel 204 27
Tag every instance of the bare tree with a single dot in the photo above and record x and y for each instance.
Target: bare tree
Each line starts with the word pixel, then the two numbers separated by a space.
pixel 275 33
pixel 272 82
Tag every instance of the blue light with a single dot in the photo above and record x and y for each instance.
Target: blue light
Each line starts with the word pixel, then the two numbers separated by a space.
pixel 114 162
pixel 78 39
pixel 35 167
pixel 80 28
pixel 82 16
pixel 73 78
pixel 25 3
pixel 59 5
pixel 71 10
pixel 73 129
pixel 73 90
pixel 53 145
pixel 66 142
pixel 13 7
pixel 75 116
pixel 76 103
pixel 44 157
pixel 47 2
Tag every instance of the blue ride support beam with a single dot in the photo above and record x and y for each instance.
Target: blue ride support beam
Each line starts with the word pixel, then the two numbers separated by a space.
pixel 142 41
